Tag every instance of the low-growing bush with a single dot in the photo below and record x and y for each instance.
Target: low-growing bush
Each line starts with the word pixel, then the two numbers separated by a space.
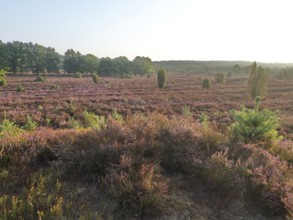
pixel 30 124
pixel 139 190
pixel 255 126
pixel 206 84
pixel 41 79
pixel 77 75
pixel 20 88
pixel 94 121
pixel 74 124
pixel 2 81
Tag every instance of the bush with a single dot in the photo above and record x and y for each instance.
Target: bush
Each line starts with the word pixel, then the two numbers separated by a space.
pixel 220 77
pixel 30 124
pixel 9 128
pixel 77 75
pixel 138 190
pixel 186 111
pixel 206 84
pixel 254 126
pixel 161 78
pixel 54 86
pixel 95 78
pixel 41 79
pixel 20 88
pixel 2 81
pixel 2 73
pixel 94 121
pixel 74 124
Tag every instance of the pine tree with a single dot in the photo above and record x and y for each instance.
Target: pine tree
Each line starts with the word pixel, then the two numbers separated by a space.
pixel 257 82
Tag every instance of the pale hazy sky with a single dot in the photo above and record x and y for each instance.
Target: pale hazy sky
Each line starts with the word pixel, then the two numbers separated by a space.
pixel 255 30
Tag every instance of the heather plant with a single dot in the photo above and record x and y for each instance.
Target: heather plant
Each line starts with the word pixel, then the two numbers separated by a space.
pixel 30 124
pixel 220 77
pixel 255 126
pixel 138 190
pixel 206 84
pixel 95 78
pixel 161 78
pixel 283 149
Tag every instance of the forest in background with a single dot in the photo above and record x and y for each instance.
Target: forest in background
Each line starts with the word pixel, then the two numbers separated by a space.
pixel 17 57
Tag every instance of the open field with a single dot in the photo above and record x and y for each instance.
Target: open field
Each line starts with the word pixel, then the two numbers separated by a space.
pixel 61 98
pixel 157 164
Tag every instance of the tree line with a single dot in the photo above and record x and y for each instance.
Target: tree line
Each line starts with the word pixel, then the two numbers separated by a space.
pixel 18 57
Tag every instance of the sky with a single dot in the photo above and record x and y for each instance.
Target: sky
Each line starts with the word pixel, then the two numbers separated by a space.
pixel 250 30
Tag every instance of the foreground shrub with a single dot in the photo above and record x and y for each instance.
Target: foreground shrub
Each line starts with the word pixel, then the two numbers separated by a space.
pixel 283 149
pixel 38 201
pixel 206 84
pixel 255 126
pixel 138 190
pixel 161 78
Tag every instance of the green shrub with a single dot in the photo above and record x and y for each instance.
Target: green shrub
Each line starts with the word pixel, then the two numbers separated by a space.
pixel 2 81
pixel 206 84
pixel 38 201
pixel 254 126
pixel 74 124
pixel 220 77
pixel 20 88
pixel 186 111
pixel 161 78
pixel 94 121
pixel 115 115
pixel 2 73
pixel 41 79
pixel 54 86
pixel 95 78
pixel 30 124
pixel 77 75
pixel 9 128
